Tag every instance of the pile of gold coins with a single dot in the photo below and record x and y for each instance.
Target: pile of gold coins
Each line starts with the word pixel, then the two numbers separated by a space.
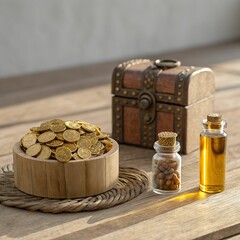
pixel 65 141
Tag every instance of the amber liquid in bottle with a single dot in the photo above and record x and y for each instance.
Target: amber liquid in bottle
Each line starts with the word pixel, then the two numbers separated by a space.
pixel 212 162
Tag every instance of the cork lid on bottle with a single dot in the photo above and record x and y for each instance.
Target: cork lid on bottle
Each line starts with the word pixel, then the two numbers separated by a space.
pixel 214 118
pixel 167 138
pixel 214 121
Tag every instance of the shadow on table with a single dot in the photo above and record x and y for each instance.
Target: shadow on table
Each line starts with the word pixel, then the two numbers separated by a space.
pixel 155 205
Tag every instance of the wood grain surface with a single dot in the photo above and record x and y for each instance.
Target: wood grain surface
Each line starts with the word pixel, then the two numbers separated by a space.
pixel 84 93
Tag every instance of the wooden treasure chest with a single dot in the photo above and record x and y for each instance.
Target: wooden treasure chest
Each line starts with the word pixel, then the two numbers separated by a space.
pixel 161 95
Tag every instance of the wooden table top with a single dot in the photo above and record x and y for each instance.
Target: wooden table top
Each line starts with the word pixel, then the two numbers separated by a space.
pixel 84 93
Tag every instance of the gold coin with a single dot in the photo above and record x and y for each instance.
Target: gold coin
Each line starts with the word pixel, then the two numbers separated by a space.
pixel 63 154
pixel 55 143
pixel 84 143
pixel 71 135
pixel 84 153
pixel 29 139
pixel 100 145
pixel 46 124
pixel 75 156
pixel 34 150
pixel 108 144
pixel 57 127
pixel 36 133
pixel 46 137
pixel 59 136
pixel 71 146
pixel 57 121
pixel 80 122
pixel 72 125
pixel 93 139
pixel 98 130
pixel 81 131
pixel 34 129
pixel 95 150
pixel 102 135
pixel 88 127
pixel 38 129
pixel 45 153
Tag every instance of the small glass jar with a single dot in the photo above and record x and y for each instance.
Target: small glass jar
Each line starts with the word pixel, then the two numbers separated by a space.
pixel 166 169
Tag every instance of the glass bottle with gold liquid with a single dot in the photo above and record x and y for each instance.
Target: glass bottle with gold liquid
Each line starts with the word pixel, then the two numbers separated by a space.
pixel 213 143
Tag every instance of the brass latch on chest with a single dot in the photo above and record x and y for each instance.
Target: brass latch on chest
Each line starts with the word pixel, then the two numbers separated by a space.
pixel 146 102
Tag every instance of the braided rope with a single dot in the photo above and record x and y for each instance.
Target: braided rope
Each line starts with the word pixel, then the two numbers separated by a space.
pixel 132 182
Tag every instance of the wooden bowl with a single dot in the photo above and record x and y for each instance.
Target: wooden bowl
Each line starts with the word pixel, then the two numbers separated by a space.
pixel 76 178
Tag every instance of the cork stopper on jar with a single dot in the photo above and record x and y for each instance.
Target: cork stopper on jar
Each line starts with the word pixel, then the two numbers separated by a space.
pixel 214 118
pixel 167 138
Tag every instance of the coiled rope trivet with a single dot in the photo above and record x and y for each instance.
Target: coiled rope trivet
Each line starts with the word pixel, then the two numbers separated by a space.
pixel 132 182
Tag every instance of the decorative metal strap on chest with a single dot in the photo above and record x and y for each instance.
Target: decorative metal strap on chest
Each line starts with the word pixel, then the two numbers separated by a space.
pixel 146 98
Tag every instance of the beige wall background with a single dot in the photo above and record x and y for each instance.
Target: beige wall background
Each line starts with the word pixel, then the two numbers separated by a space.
pixel 51 34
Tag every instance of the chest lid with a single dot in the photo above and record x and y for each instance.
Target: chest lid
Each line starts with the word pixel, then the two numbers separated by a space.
pixel 166 80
